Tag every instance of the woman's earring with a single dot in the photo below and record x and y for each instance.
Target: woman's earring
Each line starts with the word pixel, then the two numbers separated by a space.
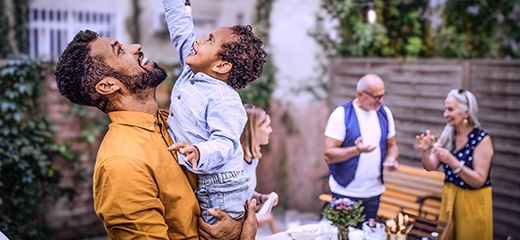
pixel 465 121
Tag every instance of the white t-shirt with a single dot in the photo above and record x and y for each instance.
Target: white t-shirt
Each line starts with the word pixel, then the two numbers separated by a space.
pixel 250 169
pixel 366 182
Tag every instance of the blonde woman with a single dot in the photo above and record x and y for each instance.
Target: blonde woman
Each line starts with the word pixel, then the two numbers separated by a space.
pixel 256 132
pixel 465 151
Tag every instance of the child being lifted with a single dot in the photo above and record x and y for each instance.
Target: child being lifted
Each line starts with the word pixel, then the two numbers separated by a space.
pixel 206 112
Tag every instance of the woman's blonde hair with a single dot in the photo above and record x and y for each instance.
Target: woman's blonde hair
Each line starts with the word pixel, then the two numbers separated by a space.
pixel 249 139
pixel 466 101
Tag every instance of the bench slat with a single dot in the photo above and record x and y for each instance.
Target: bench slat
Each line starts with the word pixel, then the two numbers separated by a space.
pixel 413 191
pixel 420 172
pixel 395 176
pixel 404 187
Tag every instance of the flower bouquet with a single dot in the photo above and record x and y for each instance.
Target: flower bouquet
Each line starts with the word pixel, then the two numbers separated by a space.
pixel 344 213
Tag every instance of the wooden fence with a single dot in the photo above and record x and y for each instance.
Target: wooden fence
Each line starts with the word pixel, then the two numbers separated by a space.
pixel 415 92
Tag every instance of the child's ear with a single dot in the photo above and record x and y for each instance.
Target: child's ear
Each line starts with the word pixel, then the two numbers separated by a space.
pixel 222 67
pixel 107 85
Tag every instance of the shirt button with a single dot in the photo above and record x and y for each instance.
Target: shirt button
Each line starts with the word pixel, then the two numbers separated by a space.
pixel 178 96
pixel 192 82
pixel 171 114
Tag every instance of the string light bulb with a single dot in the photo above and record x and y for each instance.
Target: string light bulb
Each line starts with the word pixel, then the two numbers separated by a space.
pixel 371 14
pixel 187 4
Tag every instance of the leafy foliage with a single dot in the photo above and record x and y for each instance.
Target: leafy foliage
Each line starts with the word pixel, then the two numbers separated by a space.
pixel 17 25
pixel 5 48
pixel 132 22
pixel 259 92
pixel 487 28
pixel 455 29
pixel 405 27
pixel 28 178
pixel 344 212
pixel 345 32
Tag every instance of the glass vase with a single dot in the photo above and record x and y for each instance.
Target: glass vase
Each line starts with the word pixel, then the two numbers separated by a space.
pixel 343 234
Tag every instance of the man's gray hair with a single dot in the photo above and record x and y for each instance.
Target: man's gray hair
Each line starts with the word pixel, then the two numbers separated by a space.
pixel 363 82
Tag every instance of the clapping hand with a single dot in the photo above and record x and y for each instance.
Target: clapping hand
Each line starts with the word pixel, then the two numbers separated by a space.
pixel 362 148
pixel 425 140
pixel 441 153
pixel 190 152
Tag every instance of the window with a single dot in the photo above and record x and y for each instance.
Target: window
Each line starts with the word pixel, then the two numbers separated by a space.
pixel 51 29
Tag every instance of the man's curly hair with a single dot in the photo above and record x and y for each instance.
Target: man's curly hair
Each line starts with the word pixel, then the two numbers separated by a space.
pixel 246 54
pixel 77 72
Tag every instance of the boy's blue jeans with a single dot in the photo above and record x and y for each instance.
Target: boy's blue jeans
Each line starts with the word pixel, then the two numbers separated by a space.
pixel 226 191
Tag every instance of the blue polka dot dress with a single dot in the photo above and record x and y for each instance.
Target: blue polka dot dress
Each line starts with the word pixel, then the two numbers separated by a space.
pixel 466 154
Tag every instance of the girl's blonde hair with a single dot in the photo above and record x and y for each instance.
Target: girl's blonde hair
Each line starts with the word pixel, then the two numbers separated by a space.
pixel 466 101
pixel 249 139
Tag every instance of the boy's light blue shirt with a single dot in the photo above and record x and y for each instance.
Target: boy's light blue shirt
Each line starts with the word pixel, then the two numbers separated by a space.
pixel 204 111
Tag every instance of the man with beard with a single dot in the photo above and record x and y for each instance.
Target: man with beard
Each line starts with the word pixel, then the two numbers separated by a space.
pixel 140 191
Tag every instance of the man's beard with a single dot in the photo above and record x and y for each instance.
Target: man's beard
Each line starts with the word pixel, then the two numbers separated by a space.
pixel 142 81
pixel 150 78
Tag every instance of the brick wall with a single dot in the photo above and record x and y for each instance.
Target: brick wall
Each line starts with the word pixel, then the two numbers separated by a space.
pixel 72 218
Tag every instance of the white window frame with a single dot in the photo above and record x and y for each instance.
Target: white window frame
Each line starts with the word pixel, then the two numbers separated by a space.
pixel 51 29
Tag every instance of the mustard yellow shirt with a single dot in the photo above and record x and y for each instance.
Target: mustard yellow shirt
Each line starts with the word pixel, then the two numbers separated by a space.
pixel 140 191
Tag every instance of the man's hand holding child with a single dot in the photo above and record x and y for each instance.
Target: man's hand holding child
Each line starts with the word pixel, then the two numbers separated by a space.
pixel 190 152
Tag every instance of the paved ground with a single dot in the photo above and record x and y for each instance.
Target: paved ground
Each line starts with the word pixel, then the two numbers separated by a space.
pixel 286 220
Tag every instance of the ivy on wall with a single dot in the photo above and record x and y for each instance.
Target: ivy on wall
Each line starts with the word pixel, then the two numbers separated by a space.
pixel 28 178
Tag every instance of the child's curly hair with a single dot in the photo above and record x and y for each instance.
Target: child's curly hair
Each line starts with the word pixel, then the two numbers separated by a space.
pixel 246 54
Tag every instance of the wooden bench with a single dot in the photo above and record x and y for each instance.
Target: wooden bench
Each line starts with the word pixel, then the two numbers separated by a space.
pixel 409 189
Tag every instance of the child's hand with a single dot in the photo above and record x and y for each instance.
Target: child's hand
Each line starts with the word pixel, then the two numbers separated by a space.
pixel 190 152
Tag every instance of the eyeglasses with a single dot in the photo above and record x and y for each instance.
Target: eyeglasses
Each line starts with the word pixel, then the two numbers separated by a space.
pixel 377 98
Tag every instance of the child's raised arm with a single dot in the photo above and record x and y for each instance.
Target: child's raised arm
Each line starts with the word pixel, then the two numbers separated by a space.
pixel 180 26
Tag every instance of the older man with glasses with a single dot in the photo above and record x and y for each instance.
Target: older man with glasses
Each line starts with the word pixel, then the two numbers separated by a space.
pixel 359 142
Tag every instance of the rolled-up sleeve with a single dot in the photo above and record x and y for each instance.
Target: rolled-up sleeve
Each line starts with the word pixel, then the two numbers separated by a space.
pixel 226 119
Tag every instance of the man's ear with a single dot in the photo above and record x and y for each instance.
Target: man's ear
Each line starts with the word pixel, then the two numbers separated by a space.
pixel 107 85
pixel 222 67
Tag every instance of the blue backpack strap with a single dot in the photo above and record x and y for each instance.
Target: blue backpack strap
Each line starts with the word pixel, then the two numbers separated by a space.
pixel 344 172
